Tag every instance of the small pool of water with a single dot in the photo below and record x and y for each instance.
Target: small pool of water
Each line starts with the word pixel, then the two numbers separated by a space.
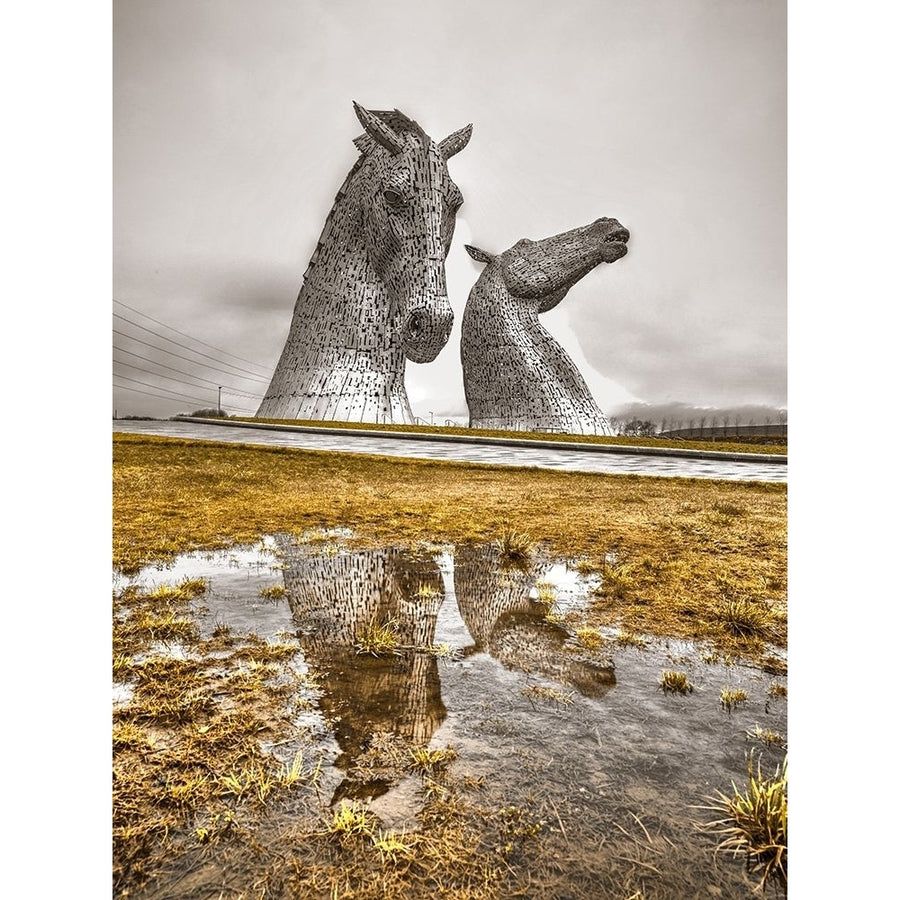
pixel 572 726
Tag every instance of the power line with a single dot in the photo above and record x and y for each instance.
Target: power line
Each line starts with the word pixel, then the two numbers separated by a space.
pixel 189 337
pixel 184 346
pixel 174 394
pixel 183 383
pixel 179 371
pixel 179 356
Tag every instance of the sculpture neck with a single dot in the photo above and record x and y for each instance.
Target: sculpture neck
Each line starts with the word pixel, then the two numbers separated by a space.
pixel 342 360
pixel 538 386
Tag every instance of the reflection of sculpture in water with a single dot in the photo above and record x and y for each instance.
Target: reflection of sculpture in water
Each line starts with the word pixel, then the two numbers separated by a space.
pixel 333 598
pixel 516 376
pixel 495 603
pixel 375 292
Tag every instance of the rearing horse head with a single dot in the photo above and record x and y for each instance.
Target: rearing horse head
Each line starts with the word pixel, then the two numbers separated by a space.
pixel 408 205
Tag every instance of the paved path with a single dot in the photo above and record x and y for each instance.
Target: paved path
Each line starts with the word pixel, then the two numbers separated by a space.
pixel 547 455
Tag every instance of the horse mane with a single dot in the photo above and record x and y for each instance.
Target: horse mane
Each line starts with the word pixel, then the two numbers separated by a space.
pixel 365 144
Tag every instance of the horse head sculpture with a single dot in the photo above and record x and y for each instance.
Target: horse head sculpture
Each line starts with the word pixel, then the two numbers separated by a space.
pixel 516 376
pixel 375 291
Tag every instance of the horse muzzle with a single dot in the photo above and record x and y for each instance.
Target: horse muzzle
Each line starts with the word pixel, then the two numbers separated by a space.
pixel 613 237
pixel 426 330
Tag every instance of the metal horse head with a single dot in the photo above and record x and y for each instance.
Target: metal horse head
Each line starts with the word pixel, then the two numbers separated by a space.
pixel 545 270
pixel 408 213
pixel 514 373
pixel 374 293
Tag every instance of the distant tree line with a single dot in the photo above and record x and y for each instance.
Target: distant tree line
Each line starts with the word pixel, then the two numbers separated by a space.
pixel 711 427
pixel 633 427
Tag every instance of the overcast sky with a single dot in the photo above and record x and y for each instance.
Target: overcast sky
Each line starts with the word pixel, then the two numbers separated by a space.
pixel 233 128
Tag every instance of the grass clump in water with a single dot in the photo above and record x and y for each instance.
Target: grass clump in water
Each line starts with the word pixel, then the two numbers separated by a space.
pixel 753 823
pixel 187 589
pixel 351 820
pixel 516 548
pixel 548 695
pixel 590 638
pixel 731 697
pixel 378 639
pixel 426 592
pixel 628 639
pixel 393 846
pixel 766 735
pixel 675 683
pixel 546 592
pixel 431 761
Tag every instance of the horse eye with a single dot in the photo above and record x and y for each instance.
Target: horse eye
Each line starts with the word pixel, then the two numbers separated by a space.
pixel 393 198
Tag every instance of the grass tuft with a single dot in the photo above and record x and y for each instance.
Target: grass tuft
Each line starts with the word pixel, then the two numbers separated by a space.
pixel 426 592
pixel 548 694
pixel 516 548
pixel 745 618
pixel 431 761
pixel 629 639
pixel 351 820
pixel 754 823
pixel 187 589
pixel 731 697
pixel 378 639
pixel 392 846
pixel 675 683
pixel 590 638
pixel 766 735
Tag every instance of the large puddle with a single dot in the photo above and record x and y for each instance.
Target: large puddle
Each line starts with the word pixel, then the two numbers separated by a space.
pixel 491 661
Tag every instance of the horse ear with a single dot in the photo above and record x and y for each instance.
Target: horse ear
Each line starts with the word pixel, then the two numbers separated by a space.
pixel 452 144
pixel 478 255
pixel 378 130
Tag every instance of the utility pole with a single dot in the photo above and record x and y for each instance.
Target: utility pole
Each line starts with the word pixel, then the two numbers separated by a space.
pixel 220 401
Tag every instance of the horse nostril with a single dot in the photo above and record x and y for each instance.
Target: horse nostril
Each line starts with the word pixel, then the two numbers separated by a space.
pixel 415 325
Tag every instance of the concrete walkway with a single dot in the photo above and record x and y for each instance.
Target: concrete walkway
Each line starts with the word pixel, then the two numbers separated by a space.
pixel 566 455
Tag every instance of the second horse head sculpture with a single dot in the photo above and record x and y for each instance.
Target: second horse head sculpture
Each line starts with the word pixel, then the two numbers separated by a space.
pixel 516 376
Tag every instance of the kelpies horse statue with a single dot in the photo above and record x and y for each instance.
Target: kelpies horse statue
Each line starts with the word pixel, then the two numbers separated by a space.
pixel 375 291
pixel 515 375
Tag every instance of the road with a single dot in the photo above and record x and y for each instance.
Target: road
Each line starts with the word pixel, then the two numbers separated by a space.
pixel 547 456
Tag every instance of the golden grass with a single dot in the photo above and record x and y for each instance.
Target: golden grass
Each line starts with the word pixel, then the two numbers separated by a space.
pixel 731 697
pixel 433 760
pixel 754 824
pixel 676 571
pixel 516 548
pixel 548 694
pixel 675 683
pixel 590 638
pixel 191 781
pixel 378 639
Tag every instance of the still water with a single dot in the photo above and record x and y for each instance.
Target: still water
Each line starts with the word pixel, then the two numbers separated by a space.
pixel 489 661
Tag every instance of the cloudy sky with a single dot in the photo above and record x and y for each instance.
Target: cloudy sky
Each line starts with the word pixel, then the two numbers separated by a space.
pixel 233 129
